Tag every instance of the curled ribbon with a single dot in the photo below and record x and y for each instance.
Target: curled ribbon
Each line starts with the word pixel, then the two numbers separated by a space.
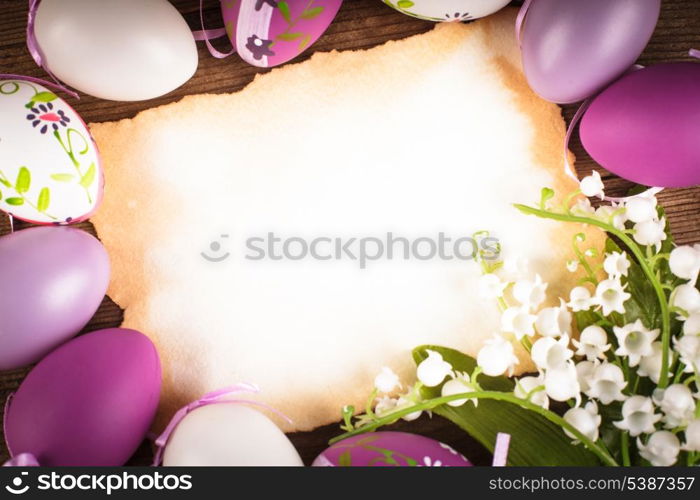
pixel 205 35
pixel 520 20
pixel 21 459
pixel 35 50
pixel 209 399
pixel 500 451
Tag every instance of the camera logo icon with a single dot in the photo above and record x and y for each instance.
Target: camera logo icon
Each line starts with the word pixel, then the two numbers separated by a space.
pixel 16 487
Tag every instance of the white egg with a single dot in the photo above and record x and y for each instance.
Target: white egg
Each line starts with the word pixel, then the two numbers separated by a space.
pixel 50 171
pixel 122 50
pixel 228 434
pixel 447 10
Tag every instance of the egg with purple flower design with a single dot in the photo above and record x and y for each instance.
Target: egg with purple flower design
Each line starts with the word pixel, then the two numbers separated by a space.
pixel 390 449
pixel 268 33
pixel 447 10
pixel 50 173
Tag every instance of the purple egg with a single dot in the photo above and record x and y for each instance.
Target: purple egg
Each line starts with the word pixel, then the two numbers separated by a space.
pixel 646 126
pixel 573 48
pixel 88 403
pixel 52 280
pixel 268 33
pixel 390 449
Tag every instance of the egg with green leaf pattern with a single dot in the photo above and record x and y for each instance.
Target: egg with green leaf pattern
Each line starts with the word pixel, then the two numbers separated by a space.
pixel 50 171
pixel 447 10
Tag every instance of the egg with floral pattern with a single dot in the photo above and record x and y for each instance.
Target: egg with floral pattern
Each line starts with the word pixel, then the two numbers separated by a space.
pixel 447 10
pixel 50 173
pixel 390 449
pixel 268 33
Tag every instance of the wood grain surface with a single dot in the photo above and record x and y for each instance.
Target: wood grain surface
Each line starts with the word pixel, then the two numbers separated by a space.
pixel 360 24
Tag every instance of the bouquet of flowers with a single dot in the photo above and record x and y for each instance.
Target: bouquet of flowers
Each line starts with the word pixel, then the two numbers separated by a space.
pixel 617 360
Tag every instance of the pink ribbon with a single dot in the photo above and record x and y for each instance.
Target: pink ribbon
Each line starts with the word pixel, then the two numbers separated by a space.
pixel 520 20
pixel 21 459
pixel 206 35
pixel 500 451
pixel 209 399
pixel 35 50
pixel 694 53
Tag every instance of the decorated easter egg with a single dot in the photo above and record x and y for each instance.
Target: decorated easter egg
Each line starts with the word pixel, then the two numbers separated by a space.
pixel 52 280
pixel 572 49
pixel 268 33
pixel 88 403
pixel 50 171
pixel 228 434
pixel 646 127
pixel 390 449
pixel 122 50
pixel 447 10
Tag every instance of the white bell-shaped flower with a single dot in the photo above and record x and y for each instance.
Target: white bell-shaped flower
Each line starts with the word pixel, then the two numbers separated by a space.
pixel 610 294
pixel 635 341
pixel 554 321
pixel 491 287
pixel 583 208
pixel 530 294
pixel 687 298
pixel 497 357
pixel 433 369
pixel 585 420
pixel 650 232
pixel 406 403
pixel 616 264
pixel 524 387
pixel 692 436
pixel 562 384
pixel 592 185
pixel 606 383
pixel 592 343
pixel 611 214
pixel 677 404
pixel 638 416
pixel 688 347
pixel 518 321
pixel 386 381
pixel 580 299
pixel 661 450
pixel 641 208
pixel 514 267
pixel 685 262
pixel 650 366
pixel 385 405
pixel 460 384
pixel 584 373
pixel 691 325
pixel 551 354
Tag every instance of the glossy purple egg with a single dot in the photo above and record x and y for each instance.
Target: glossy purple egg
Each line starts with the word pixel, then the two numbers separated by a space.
pixel 52 280
pixel 646 126
pixel 573 48
pixel 390 449
pixel 88 403
pixel 268 33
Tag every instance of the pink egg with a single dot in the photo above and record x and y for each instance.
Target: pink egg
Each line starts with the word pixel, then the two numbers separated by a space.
pixel 646 126
pixel 390 449
pixel 268 33
pixel 88 403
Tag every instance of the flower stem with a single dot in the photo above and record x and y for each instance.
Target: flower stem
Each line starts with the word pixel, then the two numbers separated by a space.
pixel 429 404
pixel 625 448
pixel 643 264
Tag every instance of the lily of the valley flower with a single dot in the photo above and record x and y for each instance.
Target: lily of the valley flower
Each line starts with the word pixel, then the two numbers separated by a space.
pixel 612 214
pixel 554 321
pixel 661 450
pixel 688 347
pixel 497 357
pixel 530 293
pixel 638 416
pixel 691 326
pixel 650 232
pixel 551 354
pixel 433 369
pixel 584 373
pixel 583 208
pixel 585 420
pixel 606 383
pixel 687 298
pixel 491 287
pixel 610 294
pixel 387 381
pixel 525 386
pixel 616 264
pixel 561 384
pixel 650 366
pixel 685 262
pixel 676 403
pixel 641 208
pixel 385 405
pixel 518 321
pixel 580 299
pixel 459 385
pixel 692 436
pixel 592 185
pixel 405 403
pixel 592 343
pixel 635 341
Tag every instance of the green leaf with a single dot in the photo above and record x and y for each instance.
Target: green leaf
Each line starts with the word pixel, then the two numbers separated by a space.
pixel 15 201
pixel 5 183
pixel 288 37
pixel 63 177
pixel 89 177
pixel 304 42
pixel 44 97
pixel 535 441
pixel 44 200
pixel 312 13
pixel 284 10
pixel 405 4
pixel 24 180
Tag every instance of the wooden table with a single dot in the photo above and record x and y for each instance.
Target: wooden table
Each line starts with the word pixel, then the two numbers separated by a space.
pixel 360 24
